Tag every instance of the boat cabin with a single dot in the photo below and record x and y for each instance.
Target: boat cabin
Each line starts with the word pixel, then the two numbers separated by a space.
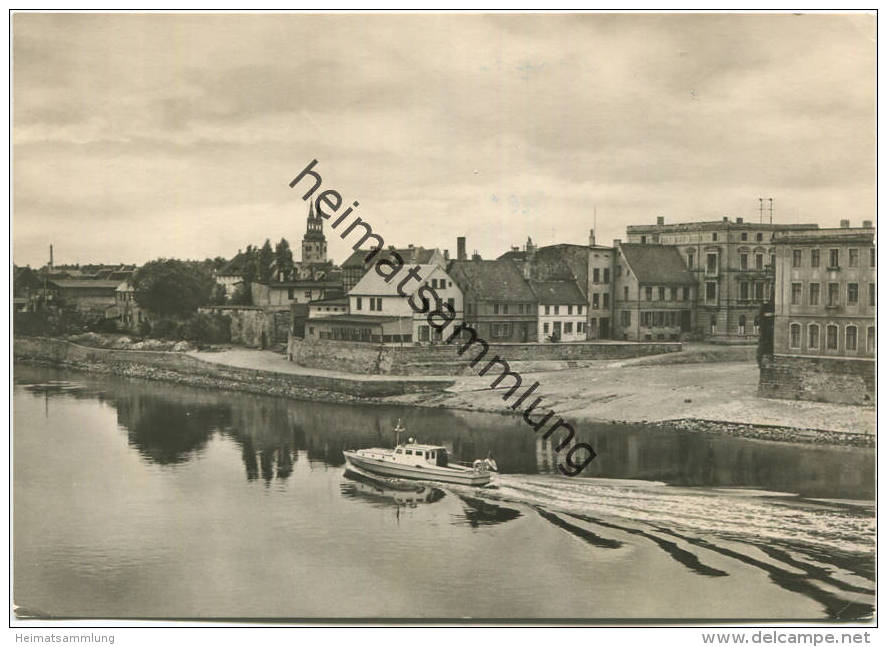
pixel 414 454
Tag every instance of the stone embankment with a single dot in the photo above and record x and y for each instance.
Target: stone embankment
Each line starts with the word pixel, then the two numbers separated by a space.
pixel 182 368
pixel 771 432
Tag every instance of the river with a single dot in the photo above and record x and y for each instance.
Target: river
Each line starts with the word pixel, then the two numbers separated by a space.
pixel 137 499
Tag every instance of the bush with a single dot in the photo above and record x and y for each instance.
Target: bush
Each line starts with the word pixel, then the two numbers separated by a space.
pixel 204 328
pixel 144 328
pixel 166 329
pixel 103 325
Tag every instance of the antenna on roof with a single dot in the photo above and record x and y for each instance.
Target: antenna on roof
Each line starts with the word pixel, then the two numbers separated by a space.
pixel 771 210
pixel 761 210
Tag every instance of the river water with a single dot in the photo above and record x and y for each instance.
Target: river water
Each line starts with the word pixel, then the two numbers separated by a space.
pixel 137 499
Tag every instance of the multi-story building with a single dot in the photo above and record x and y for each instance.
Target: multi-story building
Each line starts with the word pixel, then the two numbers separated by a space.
pixel 355 266
pixel 562 314
pixel 499 303
pixel 824 316
pixel 601 290
pixel 655 293
pixel 732 262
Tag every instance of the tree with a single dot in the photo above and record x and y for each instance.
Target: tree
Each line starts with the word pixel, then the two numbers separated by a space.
pixel 265 260
pixel 283 260
pixel 249 266
pixel 169 287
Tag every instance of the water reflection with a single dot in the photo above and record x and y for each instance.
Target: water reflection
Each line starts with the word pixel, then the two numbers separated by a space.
pixel 387 494
pixel 169 425
pixel 478 512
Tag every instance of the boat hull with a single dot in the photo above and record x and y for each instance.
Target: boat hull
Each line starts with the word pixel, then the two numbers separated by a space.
pixel 420 473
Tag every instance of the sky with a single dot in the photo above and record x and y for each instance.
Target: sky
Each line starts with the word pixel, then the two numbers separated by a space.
pixel 138 136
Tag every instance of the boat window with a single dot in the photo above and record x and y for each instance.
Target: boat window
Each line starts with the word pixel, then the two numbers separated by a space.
pixel 410 452
pixel 399 451
pixel 432 454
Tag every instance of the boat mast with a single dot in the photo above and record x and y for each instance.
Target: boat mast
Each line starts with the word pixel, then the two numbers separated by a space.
pixel 397 430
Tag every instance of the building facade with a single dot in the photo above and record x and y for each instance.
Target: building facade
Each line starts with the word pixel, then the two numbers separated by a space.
pixel 732 263
pixel 655 293
pixel 824 333
pixel 314 240
pixel 561 311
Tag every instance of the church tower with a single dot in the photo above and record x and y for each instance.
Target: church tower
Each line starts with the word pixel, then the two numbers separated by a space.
pixel 314 242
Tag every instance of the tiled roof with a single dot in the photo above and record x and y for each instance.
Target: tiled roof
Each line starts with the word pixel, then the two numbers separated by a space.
pixel 498 280
pixel 558 292
pixel 657 264
pixel 374 285
pixel 234 267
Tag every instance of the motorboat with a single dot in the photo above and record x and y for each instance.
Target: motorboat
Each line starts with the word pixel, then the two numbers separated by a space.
pixel 414 460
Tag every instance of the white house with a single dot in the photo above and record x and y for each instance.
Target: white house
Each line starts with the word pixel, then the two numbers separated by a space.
pixel 562 311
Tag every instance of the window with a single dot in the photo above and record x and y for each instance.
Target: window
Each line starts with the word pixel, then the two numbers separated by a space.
pixel 711 291
pixel 625 291
pixel 812 336
pixel 834 257
pixel 759 291
pixel 686 293
pixel 290 293
pixel 606 299
pixel 410 452
pixel 568 327
pixel 814 258
pixel 372 303
pixel 662 294
pixel 759 237
pixel 399 451
pixel 495 308
pixel 690 260
pixel 853 258
pixel 795 341
pixel 672 294
pixel 713 324
pixel 545 327
pixel 626 318
pixel 833 294
pixel 557 310
pixel 870 339
pixel 711 263
pixel 796 258
pixel 759 262
pixel 743 261
pixel 359 303
pixel 606 275
pixel 596 276
pixel 548 310
pixel 580 326
pixel 743 235
pixel 714 236
pixel 569 310
pixel 743 290
pixel 852 293
pixel 505 309
pixel 451 302
pixel 595 301
pixel 648 293
pixel 831 337
pixel 814 294
pixel 850 338
pixel 871 294
pixel 871 257
pixel 741 324
pixel 796 294
pixel 643 240
pixel 423 333
pixel 308 294
pixel 579 311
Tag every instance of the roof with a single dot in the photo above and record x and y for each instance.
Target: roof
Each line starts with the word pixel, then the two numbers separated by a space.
pixel 77 284
pixel 373 284
pixel 343 300
pixel 657 264
pixel 841 235
pixel 304 283
pixel 412 255
pixel 558 292
pixel 234 267
pixel 498 280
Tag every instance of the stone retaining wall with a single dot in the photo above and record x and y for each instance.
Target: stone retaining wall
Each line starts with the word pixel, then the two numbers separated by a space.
pixel 444 359
pixel 821 379
pixel 180 367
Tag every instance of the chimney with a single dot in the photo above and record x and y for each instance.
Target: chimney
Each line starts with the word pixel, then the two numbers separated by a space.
pixel 866 224
pixel 446 254
pixel 726 219
pixel 845 224
pixel 660 220
pixel 460 249
pixel 475 256
pixel 591 237
pixel 739 221
pixel 617 242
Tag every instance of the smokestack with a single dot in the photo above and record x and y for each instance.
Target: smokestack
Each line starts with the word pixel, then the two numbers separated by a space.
pixel 739 221
pixel 866 224
pixel 591 237
pixel 460 249
pixel 845 224
pixel 50 258
pixel 475 256
pixel 660 220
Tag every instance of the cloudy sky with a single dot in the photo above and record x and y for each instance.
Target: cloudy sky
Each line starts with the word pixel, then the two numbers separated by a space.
pixel 139 136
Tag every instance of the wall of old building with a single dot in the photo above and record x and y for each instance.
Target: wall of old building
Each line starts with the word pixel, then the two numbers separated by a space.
pixel 821 379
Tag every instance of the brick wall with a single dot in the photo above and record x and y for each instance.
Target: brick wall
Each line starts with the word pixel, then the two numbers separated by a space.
pixel 821 379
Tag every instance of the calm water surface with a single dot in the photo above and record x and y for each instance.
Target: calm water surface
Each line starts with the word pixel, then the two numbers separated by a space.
pixel 141 499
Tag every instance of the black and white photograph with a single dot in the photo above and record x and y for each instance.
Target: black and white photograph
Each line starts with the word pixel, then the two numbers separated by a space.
pixel 443 318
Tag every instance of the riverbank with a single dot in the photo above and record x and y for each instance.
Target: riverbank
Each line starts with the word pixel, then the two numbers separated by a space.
pixel 712 397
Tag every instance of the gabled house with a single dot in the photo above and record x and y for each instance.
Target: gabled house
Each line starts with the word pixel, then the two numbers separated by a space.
pixel 354 267
pixel 499 303
pixel 655 293
pixel 562 311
